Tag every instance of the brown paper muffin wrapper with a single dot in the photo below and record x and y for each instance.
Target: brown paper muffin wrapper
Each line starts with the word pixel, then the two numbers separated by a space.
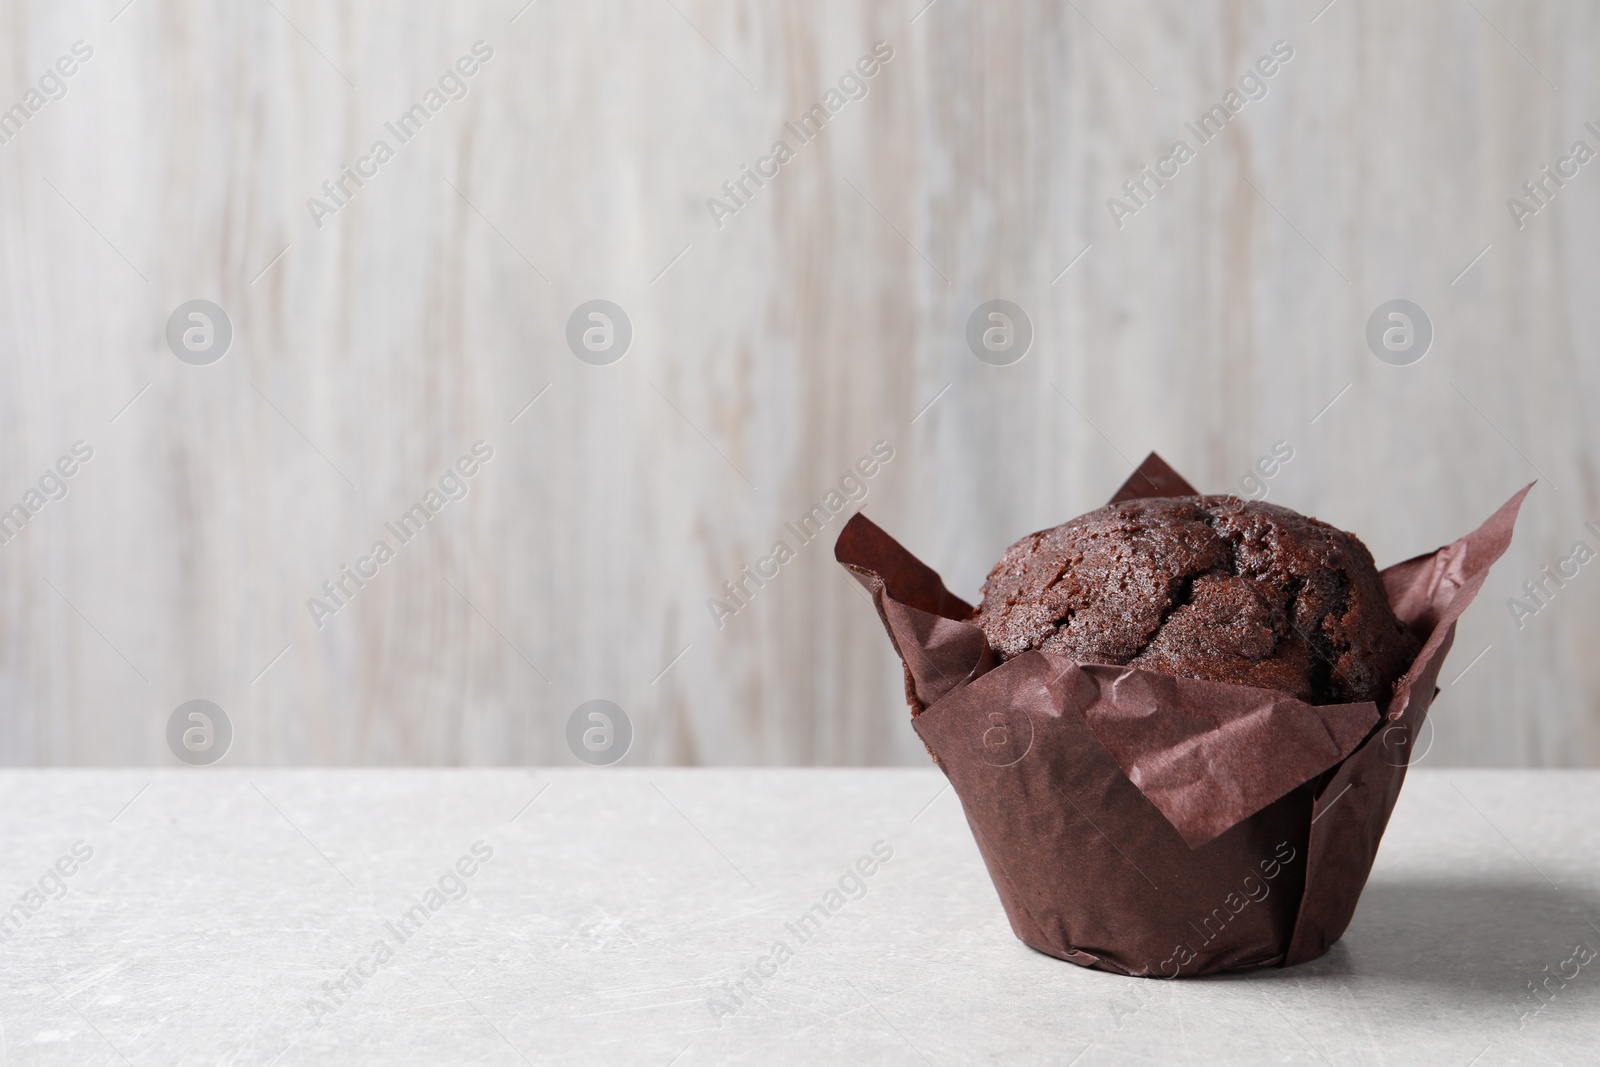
pixel 1160 826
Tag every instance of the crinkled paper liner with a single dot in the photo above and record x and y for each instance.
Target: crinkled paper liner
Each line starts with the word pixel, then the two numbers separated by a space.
pixel 1160 826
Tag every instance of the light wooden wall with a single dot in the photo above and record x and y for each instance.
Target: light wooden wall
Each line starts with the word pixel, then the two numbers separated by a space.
pixel 822 317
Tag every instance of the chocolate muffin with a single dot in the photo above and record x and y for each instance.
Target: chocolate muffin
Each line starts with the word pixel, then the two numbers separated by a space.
pixel 1209 587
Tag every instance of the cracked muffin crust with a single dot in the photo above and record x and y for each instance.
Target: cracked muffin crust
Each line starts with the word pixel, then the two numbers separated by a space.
pixel 1209 587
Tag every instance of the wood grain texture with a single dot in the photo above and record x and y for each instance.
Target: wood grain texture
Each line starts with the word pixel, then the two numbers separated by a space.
pixel 823 316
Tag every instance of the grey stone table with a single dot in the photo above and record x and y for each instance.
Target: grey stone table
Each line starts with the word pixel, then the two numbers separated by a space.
pixel 249 918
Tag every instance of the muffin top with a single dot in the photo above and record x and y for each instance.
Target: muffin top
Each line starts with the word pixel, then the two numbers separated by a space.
pixel 1209 587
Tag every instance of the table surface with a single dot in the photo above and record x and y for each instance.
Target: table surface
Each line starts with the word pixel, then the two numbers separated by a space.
pixel 210 917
